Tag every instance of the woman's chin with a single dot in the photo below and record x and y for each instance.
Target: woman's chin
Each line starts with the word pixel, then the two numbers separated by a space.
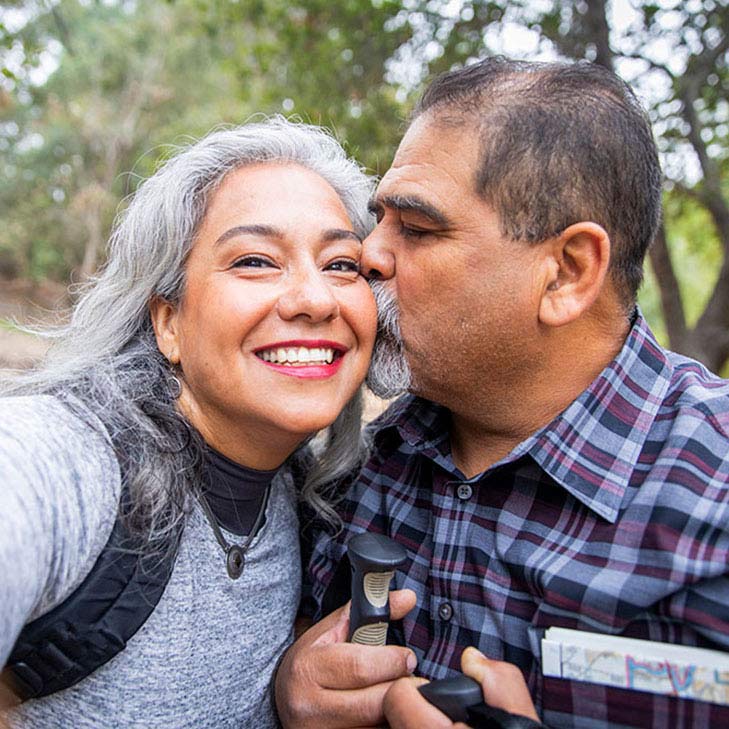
pixel 306 426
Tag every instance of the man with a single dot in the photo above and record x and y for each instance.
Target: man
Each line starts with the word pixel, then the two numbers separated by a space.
pixel 552 466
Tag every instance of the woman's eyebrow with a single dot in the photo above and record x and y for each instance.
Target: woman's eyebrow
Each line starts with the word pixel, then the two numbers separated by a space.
pixel 270 231
pixel 254 229
pixel 339 233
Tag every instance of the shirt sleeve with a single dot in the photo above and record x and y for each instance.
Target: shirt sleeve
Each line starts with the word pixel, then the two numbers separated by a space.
pixel 58 502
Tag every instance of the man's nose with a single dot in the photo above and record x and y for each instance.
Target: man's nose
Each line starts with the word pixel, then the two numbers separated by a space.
pixel 378 261
pixel 308 295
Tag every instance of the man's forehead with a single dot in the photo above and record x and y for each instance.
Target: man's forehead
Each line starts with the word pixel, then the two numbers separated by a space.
pixel 432 153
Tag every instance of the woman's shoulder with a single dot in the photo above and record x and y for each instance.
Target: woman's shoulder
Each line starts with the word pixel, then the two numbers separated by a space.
pixel 51 431
pixel 35 410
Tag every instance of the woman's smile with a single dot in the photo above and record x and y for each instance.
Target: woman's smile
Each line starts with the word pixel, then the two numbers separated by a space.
pixel 316 359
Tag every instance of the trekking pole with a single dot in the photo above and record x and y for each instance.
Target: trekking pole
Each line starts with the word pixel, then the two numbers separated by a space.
pixel 374 559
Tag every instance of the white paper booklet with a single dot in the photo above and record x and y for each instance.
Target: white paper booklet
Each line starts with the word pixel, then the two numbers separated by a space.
pixel 640 665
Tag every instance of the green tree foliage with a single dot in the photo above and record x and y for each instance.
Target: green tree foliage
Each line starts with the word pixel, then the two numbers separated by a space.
pixel 74 145
pixel 325 62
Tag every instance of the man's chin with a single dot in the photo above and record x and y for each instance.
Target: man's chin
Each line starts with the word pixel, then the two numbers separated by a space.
pixel 389 375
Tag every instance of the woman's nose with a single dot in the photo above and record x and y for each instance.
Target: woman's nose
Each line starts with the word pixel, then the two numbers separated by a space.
pixel 378 261
pixel 309 295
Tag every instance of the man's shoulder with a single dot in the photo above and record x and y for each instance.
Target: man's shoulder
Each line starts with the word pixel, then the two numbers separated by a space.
pixel 686 448
pixel 696 398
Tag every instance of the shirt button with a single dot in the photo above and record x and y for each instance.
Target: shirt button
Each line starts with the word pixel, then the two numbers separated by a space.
pixel 464 491
pixel 445 610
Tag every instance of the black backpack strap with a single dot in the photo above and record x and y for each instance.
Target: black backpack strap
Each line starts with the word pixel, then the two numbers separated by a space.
pixel 95 622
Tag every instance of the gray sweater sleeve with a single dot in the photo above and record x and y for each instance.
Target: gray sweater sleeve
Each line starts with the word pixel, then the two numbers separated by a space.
pixel 59 493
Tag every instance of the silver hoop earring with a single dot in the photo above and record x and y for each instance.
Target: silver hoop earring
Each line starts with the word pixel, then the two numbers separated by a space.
pixel 175 386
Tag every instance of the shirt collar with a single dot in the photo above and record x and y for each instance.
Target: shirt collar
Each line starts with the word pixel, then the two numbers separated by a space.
pixel 592 448
pixel 420 423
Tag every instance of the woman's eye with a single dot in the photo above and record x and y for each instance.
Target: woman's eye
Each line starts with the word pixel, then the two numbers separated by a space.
pixel 345 265
pixel 252 262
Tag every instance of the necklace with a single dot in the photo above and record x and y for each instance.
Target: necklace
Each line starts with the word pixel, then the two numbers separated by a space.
pixel 235 554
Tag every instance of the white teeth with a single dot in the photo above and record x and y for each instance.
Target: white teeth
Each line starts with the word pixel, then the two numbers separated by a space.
pixel 298 355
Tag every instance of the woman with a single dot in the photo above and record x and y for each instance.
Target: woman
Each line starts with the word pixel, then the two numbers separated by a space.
pixel 229 325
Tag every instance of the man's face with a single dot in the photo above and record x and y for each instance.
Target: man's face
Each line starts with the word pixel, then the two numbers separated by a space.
pixel 467 296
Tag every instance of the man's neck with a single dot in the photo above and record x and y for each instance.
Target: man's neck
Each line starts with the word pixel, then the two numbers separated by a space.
pixel 489 423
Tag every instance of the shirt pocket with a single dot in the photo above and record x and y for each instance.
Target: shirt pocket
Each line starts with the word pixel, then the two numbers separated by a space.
pixel 564 703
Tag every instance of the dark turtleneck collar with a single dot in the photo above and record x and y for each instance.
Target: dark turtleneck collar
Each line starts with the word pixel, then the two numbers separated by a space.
pixel 234 492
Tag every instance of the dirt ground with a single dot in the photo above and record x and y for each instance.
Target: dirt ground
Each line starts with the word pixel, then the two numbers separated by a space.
pixel 27 304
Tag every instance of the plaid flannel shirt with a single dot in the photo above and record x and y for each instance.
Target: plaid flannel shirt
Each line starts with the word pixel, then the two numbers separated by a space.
pixel 614 518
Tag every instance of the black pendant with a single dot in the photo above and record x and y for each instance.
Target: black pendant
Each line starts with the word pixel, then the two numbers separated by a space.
pixel 235 561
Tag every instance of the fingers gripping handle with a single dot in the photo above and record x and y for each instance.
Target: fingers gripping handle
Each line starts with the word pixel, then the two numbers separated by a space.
pixel 453 696
pixel 460 699
pixel 374 558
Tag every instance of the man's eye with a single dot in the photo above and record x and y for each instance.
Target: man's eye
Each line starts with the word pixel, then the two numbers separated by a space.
pixel 346 265
pixel 408 232
pixel 252 262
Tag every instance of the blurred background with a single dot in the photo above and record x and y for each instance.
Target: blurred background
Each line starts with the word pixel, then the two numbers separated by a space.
pixel 95 93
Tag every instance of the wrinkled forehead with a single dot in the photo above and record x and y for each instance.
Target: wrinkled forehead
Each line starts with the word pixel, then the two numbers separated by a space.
pixel 435 157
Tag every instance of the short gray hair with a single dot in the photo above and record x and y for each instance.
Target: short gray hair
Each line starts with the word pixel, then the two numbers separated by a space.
pixel 559 143
pixel 107 357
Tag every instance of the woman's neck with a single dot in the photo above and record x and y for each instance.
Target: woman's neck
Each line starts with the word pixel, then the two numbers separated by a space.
pixel 256 447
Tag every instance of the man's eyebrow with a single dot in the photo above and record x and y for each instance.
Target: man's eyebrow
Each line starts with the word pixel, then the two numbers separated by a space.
pixel 409 203
pixel 263 230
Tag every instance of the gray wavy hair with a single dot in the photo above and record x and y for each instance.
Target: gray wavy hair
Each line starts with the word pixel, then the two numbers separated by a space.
pixel 107 356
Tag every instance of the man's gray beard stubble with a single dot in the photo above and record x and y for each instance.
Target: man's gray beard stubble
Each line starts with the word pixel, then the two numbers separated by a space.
pixel 389 374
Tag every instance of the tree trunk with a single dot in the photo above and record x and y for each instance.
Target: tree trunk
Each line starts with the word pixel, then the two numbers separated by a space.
pixel 669 291
pixel 598 31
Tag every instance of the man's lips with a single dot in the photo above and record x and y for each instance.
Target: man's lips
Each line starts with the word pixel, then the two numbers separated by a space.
pixel 310 358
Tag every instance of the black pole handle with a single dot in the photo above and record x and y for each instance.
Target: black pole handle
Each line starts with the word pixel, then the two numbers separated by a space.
pixel 374 559
pixel 461 699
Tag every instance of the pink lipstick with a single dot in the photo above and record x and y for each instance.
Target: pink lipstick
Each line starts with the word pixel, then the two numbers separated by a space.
pixel 303 358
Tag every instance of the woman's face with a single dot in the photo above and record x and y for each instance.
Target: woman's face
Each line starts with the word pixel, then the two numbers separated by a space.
pixel 276 326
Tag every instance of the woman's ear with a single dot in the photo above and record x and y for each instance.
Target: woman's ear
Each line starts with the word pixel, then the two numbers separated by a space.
pixel 164 320
pixel 579 261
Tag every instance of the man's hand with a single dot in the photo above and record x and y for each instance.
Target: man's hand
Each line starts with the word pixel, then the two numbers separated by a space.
pixel 324 682
pixel 503 688
pixel 502 683
pixel 405 707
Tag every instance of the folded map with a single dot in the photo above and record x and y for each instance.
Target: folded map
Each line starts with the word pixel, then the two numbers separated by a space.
pixel 640 665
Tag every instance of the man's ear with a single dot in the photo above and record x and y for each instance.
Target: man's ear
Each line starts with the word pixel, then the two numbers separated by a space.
pixel 578 264
pixel 164 320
